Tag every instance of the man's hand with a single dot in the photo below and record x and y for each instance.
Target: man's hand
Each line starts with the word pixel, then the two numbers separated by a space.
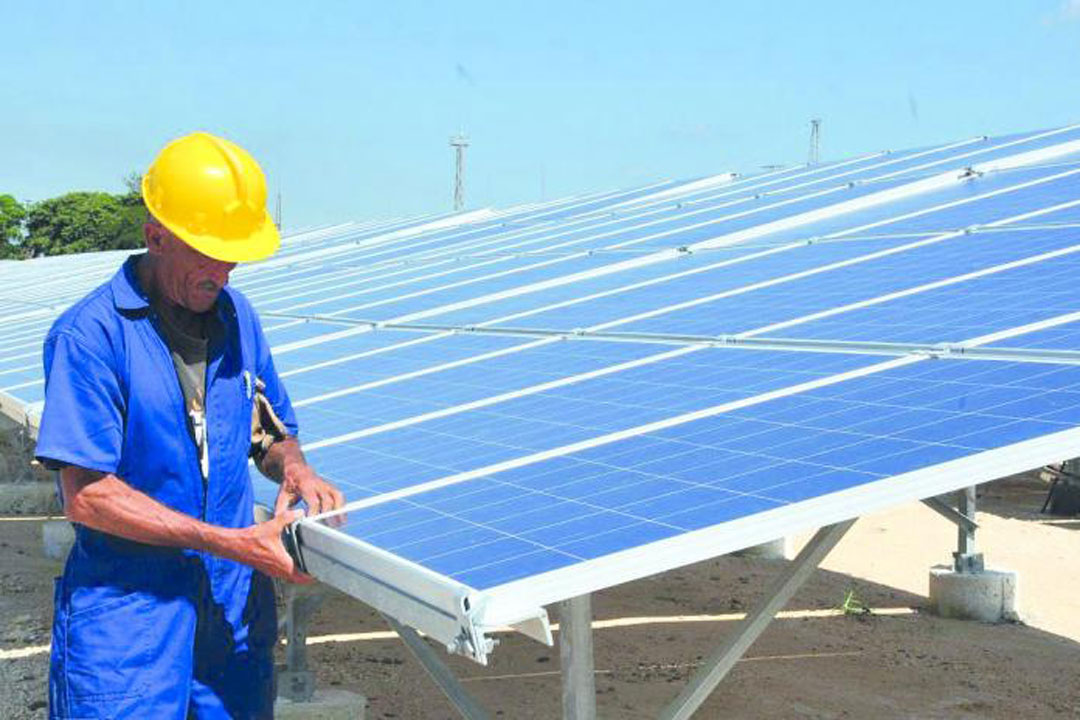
pixel 264 550
pixel 285 464
pixel 301 482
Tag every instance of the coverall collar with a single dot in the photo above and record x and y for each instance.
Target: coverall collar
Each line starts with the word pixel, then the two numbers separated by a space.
pixel 127 294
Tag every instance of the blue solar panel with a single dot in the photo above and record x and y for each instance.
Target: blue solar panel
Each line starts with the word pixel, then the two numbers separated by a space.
pixel 547 419
pixel 556 512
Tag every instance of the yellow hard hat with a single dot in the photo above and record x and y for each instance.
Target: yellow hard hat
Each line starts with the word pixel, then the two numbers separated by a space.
pixel 212 195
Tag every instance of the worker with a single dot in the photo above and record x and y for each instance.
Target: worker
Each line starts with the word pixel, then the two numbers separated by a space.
pixel 165 608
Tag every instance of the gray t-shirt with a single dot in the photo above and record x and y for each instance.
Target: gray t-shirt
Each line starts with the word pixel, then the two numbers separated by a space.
pixel 187 335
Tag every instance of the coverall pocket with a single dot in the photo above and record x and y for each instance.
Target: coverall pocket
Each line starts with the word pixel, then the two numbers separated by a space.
pixel 106 652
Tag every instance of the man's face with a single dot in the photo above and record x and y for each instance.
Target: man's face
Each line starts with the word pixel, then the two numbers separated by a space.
pixel 184 275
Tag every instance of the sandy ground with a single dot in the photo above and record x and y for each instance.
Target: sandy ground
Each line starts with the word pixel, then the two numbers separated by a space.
pixel 904 665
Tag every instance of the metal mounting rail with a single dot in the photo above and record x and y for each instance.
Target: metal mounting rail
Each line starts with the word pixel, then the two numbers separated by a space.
pixel 938 350
pixel 456 615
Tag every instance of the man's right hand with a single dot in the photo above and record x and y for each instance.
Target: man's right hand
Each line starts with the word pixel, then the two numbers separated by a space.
pixel 265 551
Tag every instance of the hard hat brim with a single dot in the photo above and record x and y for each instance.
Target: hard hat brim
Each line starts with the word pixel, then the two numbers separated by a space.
pixel 260 245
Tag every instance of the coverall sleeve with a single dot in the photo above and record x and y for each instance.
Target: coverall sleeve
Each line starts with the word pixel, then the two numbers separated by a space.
pixel 275 389
pixel 83 420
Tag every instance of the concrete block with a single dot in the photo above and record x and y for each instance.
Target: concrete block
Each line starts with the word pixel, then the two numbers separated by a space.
pixel 57 536
pixel 987 596
pixel 29 498
pixel 779 549
pixel 328 704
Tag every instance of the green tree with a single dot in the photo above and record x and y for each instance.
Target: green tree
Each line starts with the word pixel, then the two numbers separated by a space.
pixel 12 215
pixel 82 222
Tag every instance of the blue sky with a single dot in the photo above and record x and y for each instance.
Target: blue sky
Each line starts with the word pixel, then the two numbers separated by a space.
pixel 349 105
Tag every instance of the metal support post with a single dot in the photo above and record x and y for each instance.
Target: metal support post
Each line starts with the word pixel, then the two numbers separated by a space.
pixel 966 559
pixel 439 672
pixel 576 658
pixel 295 680
pixel 720 663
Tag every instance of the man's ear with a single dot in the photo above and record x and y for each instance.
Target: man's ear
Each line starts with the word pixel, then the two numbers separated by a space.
pixel 154 236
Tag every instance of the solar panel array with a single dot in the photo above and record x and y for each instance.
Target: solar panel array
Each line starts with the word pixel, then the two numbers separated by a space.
pixel 547 400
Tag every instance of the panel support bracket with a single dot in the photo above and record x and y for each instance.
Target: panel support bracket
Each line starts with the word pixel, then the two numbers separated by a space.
pixel 951 514
pixel 735 646
pixel 440 673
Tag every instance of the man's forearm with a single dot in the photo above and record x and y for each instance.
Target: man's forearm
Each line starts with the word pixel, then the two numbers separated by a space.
pixel 105 502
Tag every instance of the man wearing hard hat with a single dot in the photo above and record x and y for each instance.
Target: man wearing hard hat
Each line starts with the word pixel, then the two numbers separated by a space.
pixel 165 608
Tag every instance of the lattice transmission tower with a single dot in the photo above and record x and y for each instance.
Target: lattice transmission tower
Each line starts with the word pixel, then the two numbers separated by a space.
pixel 815 141
pixel 459 142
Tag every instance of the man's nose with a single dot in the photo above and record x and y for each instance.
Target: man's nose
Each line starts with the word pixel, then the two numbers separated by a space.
pixel 220 271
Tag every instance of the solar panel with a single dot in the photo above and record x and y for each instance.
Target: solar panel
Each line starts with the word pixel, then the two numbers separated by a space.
pixel 528 405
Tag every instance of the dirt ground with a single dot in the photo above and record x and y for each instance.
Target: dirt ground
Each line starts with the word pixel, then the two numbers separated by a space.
pixel 895 663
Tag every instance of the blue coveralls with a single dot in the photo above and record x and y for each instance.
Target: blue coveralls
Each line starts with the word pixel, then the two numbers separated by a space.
pixel 143 631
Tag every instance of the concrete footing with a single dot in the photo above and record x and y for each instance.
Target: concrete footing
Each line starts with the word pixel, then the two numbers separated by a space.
pixel 779 549
pixel 987 596
pixel 57 537
pixel 326 705
pixel 29 498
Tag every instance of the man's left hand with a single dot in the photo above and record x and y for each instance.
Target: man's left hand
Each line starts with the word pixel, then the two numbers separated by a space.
pixel 301 482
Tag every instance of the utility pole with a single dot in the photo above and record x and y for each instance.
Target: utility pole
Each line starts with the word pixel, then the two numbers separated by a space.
pixel 277 212
pixel 815 141
pixel 459 142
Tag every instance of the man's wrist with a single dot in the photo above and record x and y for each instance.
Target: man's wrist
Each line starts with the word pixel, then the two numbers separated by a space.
pixel 225 542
